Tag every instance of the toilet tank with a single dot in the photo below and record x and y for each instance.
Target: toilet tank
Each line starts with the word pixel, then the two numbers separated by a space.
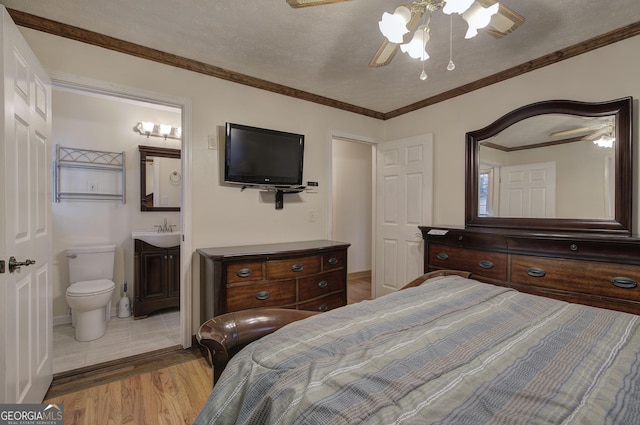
pixel 91 262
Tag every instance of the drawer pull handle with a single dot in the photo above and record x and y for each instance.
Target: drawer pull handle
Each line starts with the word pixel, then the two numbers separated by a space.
pixel 486 264
pixel 323 284
pixel 536 272
pixel 442 256
pixel 573 247
pixel 624 282
pixel 323 307
pixel 245 272
pixel 297 267
pixel 333 261
pixel 262 295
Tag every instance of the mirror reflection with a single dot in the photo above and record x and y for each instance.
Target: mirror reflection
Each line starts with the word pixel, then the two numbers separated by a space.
pixel 553 166
pixel 549 166
pixel 160 179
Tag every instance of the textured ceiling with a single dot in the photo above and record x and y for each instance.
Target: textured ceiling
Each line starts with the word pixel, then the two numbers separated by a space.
pixel 325 50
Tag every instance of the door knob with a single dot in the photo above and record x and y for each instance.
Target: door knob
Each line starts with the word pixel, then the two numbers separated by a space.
pixel 15 265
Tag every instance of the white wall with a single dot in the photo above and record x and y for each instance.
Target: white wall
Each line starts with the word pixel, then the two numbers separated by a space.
pixel 104 124
pixel 604 74
pixel 223 215
pixel 352 208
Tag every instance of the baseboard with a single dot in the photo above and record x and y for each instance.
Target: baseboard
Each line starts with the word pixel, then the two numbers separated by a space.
pixel 359 275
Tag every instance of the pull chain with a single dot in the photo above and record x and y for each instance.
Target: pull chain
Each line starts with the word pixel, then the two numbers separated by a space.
pixel 451 66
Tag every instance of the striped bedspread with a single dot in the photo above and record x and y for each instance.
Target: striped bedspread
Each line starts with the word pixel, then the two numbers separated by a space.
pixel 452 351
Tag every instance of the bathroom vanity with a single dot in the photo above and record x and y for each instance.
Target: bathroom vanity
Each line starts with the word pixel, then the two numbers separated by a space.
pixel 157 278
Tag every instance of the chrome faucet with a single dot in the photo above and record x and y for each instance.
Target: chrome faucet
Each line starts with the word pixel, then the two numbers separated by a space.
pixel 164 227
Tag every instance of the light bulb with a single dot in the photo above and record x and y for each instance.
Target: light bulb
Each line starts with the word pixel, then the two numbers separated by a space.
pixel 451 66
pixel 423 75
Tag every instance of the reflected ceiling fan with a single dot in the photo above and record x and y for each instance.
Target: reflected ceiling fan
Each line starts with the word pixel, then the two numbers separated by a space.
pixel 497 20
pixel 600 133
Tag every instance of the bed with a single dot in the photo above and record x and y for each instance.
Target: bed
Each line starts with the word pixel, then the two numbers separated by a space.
pixel 446 349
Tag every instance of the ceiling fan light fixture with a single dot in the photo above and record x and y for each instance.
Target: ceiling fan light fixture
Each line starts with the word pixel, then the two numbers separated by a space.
pixel 416 48
pixel 478 17
pixel 456 6
pixel 394 26
pixel 605 141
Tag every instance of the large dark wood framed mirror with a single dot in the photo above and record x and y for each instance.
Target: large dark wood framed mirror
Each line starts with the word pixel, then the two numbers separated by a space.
pixel 160 179
pixel 556 167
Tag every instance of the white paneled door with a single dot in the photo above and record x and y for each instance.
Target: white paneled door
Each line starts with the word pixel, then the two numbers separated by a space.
pixel 25 223
pixel 528 190
pixel 404 186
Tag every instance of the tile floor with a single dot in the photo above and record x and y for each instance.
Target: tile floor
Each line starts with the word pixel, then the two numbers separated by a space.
pixel 124 337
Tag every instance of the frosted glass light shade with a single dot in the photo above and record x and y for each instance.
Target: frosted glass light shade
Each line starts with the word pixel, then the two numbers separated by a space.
pixel 165 129
pixel 456 6
pixel 478 17
pixel 416 47
pixel 147 126
pixel 394 27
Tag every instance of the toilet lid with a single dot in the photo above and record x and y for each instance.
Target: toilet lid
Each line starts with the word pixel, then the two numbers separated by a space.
pixel 90 287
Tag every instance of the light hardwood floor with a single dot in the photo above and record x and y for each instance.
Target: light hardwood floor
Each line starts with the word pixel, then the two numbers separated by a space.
pixel 163 387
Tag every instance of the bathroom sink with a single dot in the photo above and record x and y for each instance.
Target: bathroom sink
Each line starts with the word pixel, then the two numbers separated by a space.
pixel 159 239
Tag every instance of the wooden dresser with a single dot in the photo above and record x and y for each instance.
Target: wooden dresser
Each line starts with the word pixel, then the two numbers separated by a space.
pixel 592 270
pixel 310 275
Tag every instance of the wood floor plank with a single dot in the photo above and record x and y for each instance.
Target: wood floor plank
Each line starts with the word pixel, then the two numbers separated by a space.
pixel 171 395
pixel 164 387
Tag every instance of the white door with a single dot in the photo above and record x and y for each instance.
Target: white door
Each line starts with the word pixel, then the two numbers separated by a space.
pixel 528 190
pixel 404 186
pixel 25 223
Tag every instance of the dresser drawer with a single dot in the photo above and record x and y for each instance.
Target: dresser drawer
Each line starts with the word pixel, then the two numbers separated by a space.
pixel 319 285
pixel 335 260
pixel 292 268
pixel 323 304
pixel 488 264
pixel 264 294
pixel 584 277
pixel 244 272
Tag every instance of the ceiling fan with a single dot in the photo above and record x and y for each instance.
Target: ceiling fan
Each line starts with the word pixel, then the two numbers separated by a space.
pixel 502 22
pixel 600 133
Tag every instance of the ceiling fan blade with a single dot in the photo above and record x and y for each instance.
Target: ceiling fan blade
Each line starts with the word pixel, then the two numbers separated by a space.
pixel 306 3
pixel 388 50
pixel 504 22
pixel 385 54
pixel 596 134
pixel 572 131
pixel 601 128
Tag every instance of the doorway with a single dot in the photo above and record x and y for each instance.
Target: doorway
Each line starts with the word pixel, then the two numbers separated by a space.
pixel 105 120
pixel 352 204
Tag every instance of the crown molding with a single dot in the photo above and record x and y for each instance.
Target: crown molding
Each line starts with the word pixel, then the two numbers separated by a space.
pixel 89 37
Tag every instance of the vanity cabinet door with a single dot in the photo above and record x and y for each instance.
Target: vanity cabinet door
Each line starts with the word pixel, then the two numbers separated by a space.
pixel 157 278
pixel 153 276
pixel 173 272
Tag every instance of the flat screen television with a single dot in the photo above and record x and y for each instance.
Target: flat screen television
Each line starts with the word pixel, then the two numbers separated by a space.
pixel 261 157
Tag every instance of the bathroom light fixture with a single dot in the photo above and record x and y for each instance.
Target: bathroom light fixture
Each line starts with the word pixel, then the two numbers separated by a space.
pixel 148 128
pixel 496 18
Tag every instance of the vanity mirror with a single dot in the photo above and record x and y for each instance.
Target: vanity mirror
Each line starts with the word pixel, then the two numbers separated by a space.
pixel 554 167
pixel 160 179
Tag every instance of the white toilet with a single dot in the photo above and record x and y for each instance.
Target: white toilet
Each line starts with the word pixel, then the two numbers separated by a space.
pixel 91 289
